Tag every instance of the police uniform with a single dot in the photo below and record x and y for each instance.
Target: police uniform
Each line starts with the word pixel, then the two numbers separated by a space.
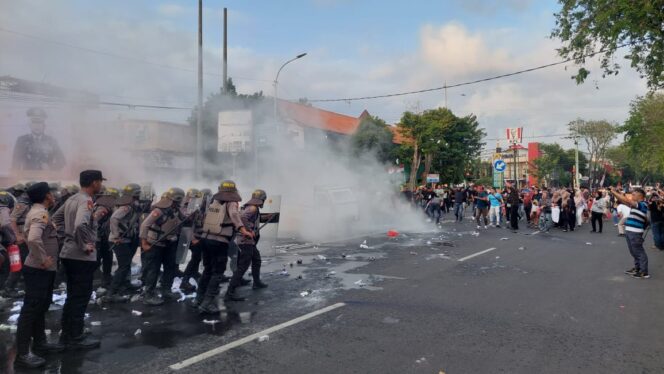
pixel 191 270
pixel 125 223
pixel 37 151
pixel 249 254
pixel 79 259
pixel 7 235
pixel 39 273
pixel 160 230
pixel 101 214
pixel 222 220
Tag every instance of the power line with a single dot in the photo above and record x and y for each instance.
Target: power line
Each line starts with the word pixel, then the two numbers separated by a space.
pixel 115 55
pixel 461 84
pixel 49 100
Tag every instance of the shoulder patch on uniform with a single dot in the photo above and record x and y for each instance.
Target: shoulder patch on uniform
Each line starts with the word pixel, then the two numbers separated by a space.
pixel 90 204
pixel 44 218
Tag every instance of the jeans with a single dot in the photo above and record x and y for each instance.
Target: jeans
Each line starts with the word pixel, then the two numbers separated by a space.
pixel 545 221
pixel 597 217
pixel 215 256
pixel 458 211
pixel 79 289
pixel 635 245
pixel 495 212
pixel 435 212
pixel 248 255
pixel 155 258
pixel 32 320
pixel 124 252
pixel 658 234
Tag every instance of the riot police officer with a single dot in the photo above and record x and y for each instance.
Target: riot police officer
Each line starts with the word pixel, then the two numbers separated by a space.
pixel 37 151
pixel 17 220
pixel 7 236
pixel 159 239
pixel 191 271
pixel 222 220
pixel 248 253
pixel 101 216
pixel 125 223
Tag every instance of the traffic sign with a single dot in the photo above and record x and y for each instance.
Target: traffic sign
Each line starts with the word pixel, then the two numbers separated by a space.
pixel 433 178
pixel 499 165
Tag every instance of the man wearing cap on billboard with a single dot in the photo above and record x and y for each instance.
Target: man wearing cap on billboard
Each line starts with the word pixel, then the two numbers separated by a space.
pixel 39 274
pixel 79 258
pixel 37 151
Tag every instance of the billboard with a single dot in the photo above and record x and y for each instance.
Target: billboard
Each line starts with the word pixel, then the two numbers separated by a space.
pixel 235 131
pixel 515 135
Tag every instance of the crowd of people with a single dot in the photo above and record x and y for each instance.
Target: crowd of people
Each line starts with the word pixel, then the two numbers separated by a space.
pixel 632 210
pixel 50 235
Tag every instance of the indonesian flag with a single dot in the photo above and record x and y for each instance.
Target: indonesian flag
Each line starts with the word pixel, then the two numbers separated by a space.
pixel 515 134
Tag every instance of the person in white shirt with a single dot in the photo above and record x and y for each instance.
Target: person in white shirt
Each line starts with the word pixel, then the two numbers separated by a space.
pixel 623 213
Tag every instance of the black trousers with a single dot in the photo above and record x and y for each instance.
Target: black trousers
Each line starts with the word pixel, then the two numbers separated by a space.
pixel 514 216
pixel 79 289
pixel 248 255
pixel 215 257
pixel 32 320
pixel 571 219
pixel 13 278
pixel 124 252
pixel 105 259
pixel 194 262
pixel 155 258
pixel 528 209
pixel 597 217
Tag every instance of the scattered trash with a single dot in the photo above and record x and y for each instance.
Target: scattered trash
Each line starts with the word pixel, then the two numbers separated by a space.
pixel 146 323
pixel 138 332
pixel 291 264
pixel 372 258
pixel 390 320
pixel 429 242
pixel 413 253
pixel 504 238
pixel 10 328
pixel 263 338
pixel 497 257
pixel 16 308
pixel 135 298
pixel 421 360
pixel 622 307
pixel 136 313
pixel 322 258
pixel 284 272
pixel 589 243
pixel 522 248
pixel 392 233
pixel 306 293
pixel 299 261
pixel 299 277
pixel 364 245
pixel 87 315
pixel 211 321
pixel 475 233
pixel 47 331
pixel 13 318
pixel 360 283
pixel 343 255
pixel 95 323
pixel 332 272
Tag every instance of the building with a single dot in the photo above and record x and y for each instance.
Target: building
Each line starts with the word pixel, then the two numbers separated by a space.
pixel 519 165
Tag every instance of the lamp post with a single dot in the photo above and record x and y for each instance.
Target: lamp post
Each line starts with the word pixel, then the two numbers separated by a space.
pixel 276 82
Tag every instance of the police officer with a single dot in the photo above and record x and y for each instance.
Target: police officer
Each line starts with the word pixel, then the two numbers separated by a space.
pixel 248 254
pixel 39 273
pixel 101 215
pixel 222 220
pixel 125 223
pixel 37 151
pixel 17 220
pixel 159 240
pixel 191 271
pixel 79 258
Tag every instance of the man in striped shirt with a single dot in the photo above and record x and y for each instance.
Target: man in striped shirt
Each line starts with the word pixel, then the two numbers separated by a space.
pixel 635 226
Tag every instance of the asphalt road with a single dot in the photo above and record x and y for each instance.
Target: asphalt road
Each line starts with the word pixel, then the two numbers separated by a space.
pixel 529 303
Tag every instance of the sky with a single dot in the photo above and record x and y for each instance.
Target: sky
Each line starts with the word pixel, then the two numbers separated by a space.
pixel 144 52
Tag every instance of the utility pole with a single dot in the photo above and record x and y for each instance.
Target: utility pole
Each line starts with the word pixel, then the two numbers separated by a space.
pixel 199 114
pixel 225 70
pixel 576 156
pixel 516 174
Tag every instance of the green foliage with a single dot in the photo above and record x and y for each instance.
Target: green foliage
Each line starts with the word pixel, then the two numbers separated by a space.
pixel 587 26
pixel 555 165
pixel 597 136
pixel 644 136
pixel 373 136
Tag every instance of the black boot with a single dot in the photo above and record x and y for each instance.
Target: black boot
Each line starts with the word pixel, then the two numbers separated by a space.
pixel 83 342
pixel 209 306
pixel 258 284
pixel 231 296
pixel 43 346
pixel 30 360
pixel 244 282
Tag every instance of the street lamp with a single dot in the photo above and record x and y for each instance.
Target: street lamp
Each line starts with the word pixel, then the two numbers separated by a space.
pixel 276 82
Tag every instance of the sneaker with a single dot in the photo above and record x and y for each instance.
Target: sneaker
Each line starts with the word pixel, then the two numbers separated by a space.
pixel 258 285
pixel 29 360
pixel 641 275
pixel 478 227
pixel 485 227
pixel 632 271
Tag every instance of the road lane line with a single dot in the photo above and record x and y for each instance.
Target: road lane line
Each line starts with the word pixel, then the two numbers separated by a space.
pixel 247 339
pixel 476 254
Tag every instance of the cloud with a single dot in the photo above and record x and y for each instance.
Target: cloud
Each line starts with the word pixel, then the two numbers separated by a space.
pixel 487 7
pixel 171 10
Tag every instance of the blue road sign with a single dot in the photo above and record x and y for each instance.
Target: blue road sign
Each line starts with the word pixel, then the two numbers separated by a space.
pixel 499 165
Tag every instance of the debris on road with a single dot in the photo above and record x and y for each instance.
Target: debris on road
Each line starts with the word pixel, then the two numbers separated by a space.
pixel 322 258
pixel 138 332
pixel 392 234
pixel 364 245
pixel 360 283
pixel 263 338
pixel 522 248
pixel 421 360
pixel 504 238
pixel 589 243
pixel 95 323
pixel 413 253
pixel 10 328
pixel 13 318
pixel 136 313
pixel 306 293
pixel 211 321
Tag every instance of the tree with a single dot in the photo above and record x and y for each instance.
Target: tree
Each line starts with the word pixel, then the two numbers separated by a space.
pixel 644 135
pixel 373 136
pixel 597 135
pixel 554 166
pixel 589 26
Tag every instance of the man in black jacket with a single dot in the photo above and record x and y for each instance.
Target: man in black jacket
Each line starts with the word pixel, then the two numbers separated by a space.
pixel 513 200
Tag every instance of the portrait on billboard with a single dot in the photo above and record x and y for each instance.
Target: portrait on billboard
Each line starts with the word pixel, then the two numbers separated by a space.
pixel 37 150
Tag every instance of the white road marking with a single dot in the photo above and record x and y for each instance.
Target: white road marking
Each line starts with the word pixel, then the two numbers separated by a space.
pixel 476 254
pixel 247 339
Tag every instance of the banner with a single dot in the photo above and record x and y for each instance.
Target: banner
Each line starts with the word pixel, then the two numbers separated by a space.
pixel 515 135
